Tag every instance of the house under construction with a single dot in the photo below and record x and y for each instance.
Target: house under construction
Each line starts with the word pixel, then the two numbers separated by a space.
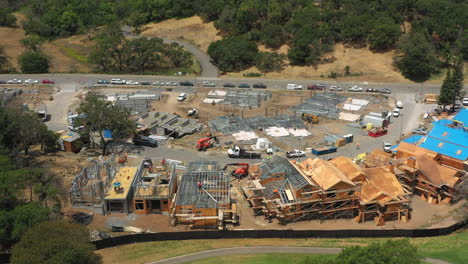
pixel 119 194
pixel 319 189
pixel 203 199
pixel 312 189
pixel 423 171
pixel 382 198
pixel 154 187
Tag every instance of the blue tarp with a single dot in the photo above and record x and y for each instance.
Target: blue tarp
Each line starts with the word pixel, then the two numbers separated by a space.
pixel 451 135
pixel 443 122
pixel 107 133
pixel 411 140
pixel 462 116
pixel 446 148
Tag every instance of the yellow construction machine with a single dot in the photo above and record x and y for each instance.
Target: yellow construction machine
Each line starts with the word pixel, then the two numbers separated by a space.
pixel 313 119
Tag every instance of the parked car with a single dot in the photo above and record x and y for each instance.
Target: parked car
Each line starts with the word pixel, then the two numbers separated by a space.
pixel 3 82
pixel 315 87
pixel 396 112
pixel 145 141
pixel 117 81
pixel 259 85
pixel 181 97
pixel 334 88
pixel 186 83
pixel 172 84
pixel 208 84
pixel 14 81
pixel 295 153
pixel 229 85
pixel 130 82
pixel 355 89
pixel 399 104
pixel 465 101
pixel 385 91
pixel 371 90
pixel 31 81
pixel 244 85
pixel 102 82
pixel 420 131
pixel 387 147
pixel 145 83
pixel 294 86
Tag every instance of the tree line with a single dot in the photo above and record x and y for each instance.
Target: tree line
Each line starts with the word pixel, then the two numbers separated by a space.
pixel 114 53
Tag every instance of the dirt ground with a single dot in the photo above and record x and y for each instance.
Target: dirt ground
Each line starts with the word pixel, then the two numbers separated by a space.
pixel 192 29
pixel 44 94
pixel 60 62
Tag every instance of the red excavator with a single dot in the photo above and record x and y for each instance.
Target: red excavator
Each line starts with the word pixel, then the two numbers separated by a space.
pixel 204 143
pixel 241 172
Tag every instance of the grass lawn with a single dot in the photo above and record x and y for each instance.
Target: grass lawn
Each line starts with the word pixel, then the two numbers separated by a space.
pixel 453 248
pixel 264 259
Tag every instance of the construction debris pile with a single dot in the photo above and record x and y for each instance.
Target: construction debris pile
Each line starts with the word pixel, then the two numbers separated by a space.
pixel 167 124
pixel 322 104
pixel 243 98
pixel 277 126
pixel 319 189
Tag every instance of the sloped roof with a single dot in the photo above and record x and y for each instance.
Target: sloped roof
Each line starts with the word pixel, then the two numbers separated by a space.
pixel 446 148
pixel 347 167
pixel 381 181
pixel 448 134
pixel 436 173
pixel 462 116
pixel 282 165
pixel 405 150
pixel 324 173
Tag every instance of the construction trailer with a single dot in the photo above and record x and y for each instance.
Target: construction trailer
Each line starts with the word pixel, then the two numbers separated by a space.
pixel 382 198
pixel 290 191
pixel 120 192
pixel 203 199
pixel 428 177
pixel 154 187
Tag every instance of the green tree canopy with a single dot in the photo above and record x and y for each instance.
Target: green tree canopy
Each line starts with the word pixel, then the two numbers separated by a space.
pixel 6 18
pixel 233 54
pixel 100 115
pixel 270 61
pixel 416 59
pixel 34 62
pixel 384 36
pixel 55 242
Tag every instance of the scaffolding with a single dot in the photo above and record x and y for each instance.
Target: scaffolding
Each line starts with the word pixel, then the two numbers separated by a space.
pixel 203 198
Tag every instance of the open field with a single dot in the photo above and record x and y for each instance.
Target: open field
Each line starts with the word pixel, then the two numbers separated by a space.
pixel 61 62
pixel 191 29
pixel 265 259
pixel 453 248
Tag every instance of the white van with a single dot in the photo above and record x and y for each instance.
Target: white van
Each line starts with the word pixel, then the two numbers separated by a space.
pixel 182 97
pixel 117 81
pixel 294 86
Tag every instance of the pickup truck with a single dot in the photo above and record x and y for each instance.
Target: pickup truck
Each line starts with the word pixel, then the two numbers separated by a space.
pixel 295 153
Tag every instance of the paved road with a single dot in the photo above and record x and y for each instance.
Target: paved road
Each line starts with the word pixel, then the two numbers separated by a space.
pixel 260 250
pixel 207 68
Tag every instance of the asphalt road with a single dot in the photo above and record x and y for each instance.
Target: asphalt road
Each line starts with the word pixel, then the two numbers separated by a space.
pixel 207 68
pixel 260 250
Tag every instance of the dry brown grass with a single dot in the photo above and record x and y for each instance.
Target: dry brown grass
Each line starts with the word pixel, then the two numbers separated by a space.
pixel 60 62
pixel 192 29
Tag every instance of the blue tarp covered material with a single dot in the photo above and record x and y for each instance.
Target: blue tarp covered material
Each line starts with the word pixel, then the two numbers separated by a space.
pixel 107 133
pixel 447 141
pixel 462 116
pixel 411 140
pixel 443 122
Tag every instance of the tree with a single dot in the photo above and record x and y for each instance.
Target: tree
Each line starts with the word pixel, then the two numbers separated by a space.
pixel 389 252
pixel 32 43
pixel 457 81
pixel 416 59
pixel 444 98
pixel 25 216
pixel 34 62
pixel 100 115
pixel 384 36
pixel 273 36
pixel 136 20
pixel 178 55
pixel 55 242
pixel 6 18
pixel 270 61
pixel 233 54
